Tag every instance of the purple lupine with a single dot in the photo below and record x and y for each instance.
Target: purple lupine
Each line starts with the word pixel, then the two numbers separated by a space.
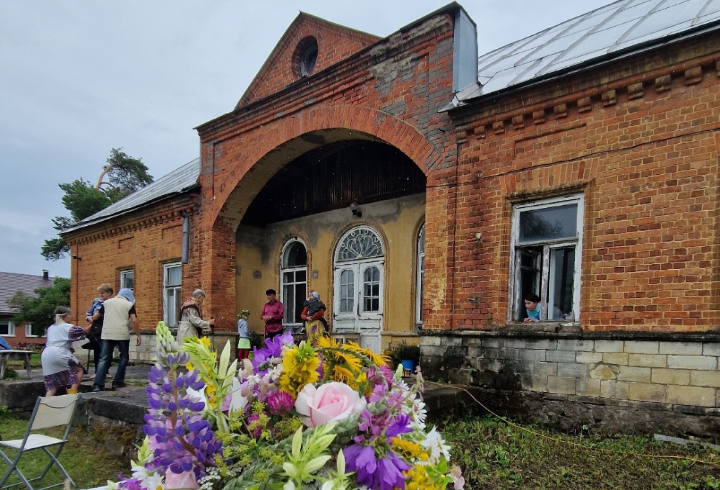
pixel 273 348
pixel 188 443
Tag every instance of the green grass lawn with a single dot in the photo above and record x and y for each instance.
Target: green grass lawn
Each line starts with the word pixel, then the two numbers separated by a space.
pixel 83 457
pixel 495 455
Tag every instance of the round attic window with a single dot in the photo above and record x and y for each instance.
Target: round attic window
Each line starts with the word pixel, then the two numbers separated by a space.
pixel 305 57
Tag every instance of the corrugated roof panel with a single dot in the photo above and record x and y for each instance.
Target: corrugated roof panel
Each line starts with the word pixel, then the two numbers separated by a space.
pixel 177 181
pixel 611 29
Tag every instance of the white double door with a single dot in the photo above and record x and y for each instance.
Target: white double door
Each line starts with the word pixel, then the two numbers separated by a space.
pixel 358 301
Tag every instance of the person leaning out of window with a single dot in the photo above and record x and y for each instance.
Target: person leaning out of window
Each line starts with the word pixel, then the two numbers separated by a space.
pixel 532 306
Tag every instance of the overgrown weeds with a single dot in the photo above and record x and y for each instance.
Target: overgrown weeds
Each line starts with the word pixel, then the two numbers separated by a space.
pixel 496 455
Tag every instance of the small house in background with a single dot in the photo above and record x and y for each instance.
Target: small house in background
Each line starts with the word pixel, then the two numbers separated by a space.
pixel 10 283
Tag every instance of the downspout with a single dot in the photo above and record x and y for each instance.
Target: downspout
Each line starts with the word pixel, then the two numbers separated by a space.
pixel 185 236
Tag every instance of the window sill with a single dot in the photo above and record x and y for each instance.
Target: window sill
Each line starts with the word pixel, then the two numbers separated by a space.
pixel 546 326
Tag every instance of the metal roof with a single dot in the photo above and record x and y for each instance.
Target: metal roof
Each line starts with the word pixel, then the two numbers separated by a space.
pixel 11 283
pixel 176 182
pixel 622 26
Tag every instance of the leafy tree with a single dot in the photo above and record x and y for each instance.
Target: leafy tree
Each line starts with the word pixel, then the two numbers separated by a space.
pixel 38 309
pixel 122 176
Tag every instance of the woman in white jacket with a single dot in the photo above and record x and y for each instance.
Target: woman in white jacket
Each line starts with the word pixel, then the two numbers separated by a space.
pixel 59 365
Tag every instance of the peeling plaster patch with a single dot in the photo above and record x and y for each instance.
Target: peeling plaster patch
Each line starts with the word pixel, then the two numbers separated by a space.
pixel 388 70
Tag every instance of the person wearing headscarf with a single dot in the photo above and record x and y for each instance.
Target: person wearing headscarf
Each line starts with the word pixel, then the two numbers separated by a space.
pixel 119 319
pixel 314 315
pixel 59 365
pixel 191 323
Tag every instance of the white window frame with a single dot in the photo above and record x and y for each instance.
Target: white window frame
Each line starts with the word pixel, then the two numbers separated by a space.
pixel 28 332
pixel 11 329
pixel 548 245
pixel 123 277
pixel 292 270
pixel 177 288
pixel 420 276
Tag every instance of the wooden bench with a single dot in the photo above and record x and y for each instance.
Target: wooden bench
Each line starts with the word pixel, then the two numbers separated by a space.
pixel 7 355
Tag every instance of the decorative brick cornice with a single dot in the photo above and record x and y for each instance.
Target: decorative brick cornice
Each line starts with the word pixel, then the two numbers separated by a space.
pixel 123 225
pixel 589 99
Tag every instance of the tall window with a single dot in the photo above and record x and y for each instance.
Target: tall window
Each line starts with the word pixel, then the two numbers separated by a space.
pixel 546 254
pixel 7 329
pixel 293 278
pixel 420 276
pixel 347 291
pixel 127 279
pixel 172 280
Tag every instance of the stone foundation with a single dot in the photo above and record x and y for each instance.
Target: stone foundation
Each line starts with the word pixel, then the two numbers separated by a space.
pixel 620 382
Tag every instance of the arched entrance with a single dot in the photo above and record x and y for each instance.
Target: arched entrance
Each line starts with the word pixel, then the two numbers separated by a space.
pixel 359 270
pixel 239 173
pixel 325 222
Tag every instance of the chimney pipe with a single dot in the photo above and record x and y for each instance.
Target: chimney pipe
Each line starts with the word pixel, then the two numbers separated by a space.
pixel 46 275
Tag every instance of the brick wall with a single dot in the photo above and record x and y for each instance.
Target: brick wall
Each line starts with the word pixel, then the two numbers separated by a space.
pixel 335 43
pixel 639 139
pixel 142 241
pixel 20 339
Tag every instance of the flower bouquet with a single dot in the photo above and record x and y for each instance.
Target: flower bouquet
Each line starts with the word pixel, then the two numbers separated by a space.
pixel 326 417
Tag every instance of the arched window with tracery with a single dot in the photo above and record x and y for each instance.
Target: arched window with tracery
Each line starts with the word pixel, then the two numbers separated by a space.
pixel 293 280
pixel 358 286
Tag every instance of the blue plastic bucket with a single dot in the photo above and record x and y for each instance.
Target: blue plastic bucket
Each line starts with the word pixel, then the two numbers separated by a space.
pixel 409 367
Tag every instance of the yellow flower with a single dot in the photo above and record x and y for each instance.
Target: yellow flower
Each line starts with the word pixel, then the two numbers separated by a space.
pixel 409 449
pixel 205 341
pixel 189 366
pixel 418 479
pixel 376 359
pixel 210 394
pixel 299 369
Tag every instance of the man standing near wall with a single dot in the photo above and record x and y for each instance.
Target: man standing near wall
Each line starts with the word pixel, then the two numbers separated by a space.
pixel 119 313
pixel 272 314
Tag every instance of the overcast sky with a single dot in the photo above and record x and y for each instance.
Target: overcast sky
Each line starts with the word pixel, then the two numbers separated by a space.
pixel 80 77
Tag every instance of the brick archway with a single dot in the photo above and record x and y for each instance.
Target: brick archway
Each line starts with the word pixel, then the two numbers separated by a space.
pixel 238 166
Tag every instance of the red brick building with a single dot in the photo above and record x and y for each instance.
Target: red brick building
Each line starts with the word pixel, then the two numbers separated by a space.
pixel 425 192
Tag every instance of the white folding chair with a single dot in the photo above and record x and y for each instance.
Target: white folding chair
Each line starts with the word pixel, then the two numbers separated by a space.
pixel 49 412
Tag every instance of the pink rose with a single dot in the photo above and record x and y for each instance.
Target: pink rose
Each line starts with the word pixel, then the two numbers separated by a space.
pixel 184 480
pixel 329 403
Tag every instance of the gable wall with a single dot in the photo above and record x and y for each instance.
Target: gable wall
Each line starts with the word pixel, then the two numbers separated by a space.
pixel 333 47
pixel 392 92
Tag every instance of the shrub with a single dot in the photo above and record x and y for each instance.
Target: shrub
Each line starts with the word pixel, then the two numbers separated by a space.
pixel 406 352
